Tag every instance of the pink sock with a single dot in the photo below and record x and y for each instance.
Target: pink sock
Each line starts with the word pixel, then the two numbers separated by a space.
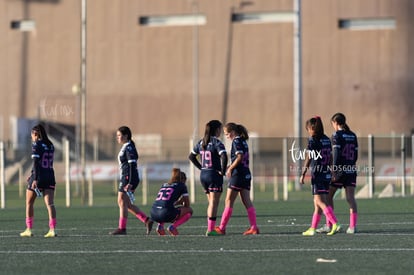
pixel 29 222
pixel 52 223
pixel 182 220
pixel 211 224
pixel 251 214
pixel 228 211
pixel 122 223
pixel 315 220
pixel 328 224
pixel 353 217
pixel 141 216
pixel 329 214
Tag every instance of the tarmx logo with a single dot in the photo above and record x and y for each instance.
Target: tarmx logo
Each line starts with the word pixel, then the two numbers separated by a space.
pixel 298 154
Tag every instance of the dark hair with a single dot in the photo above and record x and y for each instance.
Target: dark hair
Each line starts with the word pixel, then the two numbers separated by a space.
pixel 183 177
pixel 211 130
pixel 41 133
pixel 315 124
pixel 125 131
pixel 341 120
pixel 239 129
pixel 175 175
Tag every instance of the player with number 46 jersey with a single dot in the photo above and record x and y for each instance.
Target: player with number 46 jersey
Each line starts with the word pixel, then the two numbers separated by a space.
pixel 344 169
pixel 345 152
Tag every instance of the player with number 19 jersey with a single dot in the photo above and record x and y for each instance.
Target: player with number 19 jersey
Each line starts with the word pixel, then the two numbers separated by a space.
pixel 42 170
pixel 211 167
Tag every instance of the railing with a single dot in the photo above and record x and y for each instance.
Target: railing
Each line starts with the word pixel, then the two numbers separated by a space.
pixel 385 169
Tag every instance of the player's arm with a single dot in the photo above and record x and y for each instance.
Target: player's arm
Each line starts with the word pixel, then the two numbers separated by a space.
pixel 193 158
pixel 185 201
pixel 223 160
pixel 305 169
pixel 132 158
pixel 234 164
pixel 36 165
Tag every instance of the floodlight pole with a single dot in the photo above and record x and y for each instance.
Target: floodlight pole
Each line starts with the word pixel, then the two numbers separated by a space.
pixel 297 95
pixel 83 101
pixel 195 71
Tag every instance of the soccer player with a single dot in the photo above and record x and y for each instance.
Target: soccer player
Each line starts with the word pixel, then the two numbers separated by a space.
pixel 318 159
pixel 172 204
pixel 129 180
pixel 41 181
pixel 344 172
pixel 213 167
pixel 239 177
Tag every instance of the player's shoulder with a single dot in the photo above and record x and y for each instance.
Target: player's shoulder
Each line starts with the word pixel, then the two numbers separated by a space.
pixel 217 143
pixel 215 140
pixel 338 134
pixel 324 138
pixel 352 133
pixel 38 144
pixel 130 147
pixel 238 140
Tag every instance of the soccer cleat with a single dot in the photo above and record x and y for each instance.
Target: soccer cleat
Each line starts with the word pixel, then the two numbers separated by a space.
pixel 172 230
pixel 119 231
pixel 213 233
pixel 350 230
pixel 309 232
pixel 335 229
pixel 160 230
pixel 251 231
pixel 51 234
pixel 26 233
pixel 220 231
pixel 148 224
pixel 323 229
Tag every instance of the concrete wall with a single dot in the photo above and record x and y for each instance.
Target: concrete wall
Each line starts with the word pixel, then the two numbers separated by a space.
pixel 143 76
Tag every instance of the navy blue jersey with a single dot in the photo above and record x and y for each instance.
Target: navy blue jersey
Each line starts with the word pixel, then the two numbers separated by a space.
pixel 128 163
pixel 240 146
pixel 210 157
pixel 169 194
pixel 319 152
pixel 345 151
pixel 42 171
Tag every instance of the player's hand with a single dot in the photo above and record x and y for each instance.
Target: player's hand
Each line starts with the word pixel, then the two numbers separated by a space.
pixel 302 179
pixel 34 184
pixel 127 187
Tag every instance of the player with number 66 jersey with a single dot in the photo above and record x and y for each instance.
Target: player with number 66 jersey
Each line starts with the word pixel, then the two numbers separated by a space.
pixel 41 181
pixel 42 171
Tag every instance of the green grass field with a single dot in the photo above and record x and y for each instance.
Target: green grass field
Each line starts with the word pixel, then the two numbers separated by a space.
pixel 383 245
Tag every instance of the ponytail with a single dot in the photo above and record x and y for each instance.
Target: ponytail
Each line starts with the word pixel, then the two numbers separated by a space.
pixel 41 133
pixel 125 131
pixel 211 130
pixel 341 120
pixel 315 123
pixel 239 129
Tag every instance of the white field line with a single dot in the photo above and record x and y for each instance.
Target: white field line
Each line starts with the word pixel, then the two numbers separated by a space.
pixel 191 251
pixel 269 224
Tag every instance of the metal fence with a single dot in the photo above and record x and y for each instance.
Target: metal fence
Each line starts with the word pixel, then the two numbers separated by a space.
pixel 385 167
